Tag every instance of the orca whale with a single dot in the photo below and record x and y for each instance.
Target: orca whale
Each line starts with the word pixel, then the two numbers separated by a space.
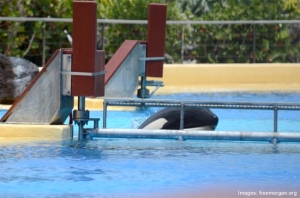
pixel 194 119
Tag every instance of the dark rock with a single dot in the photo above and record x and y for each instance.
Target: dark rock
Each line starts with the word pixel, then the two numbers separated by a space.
pixel 15 75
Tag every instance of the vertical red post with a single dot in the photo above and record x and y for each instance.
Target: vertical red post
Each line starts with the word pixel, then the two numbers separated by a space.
pixel 157 15
pixel 85 57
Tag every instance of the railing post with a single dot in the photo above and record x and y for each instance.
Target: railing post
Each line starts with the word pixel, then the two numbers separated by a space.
pixel 275 117
pixel 254 42
pixel 182 116
pixel 182 43
pixel 44 45
pixel 104 114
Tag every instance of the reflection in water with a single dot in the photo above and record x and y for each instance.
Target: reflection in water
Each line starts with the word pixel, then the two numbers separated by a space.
pixel 275 148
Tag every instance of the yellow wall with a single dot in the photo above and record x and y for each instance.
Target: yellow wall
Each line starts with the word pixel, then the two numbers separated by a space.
pixel 231 77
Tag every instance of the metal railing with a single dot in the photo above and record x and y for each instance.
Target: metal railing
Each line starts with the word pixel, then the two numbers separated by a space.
pixel 275 107
pixel 272 137
pixel 180 48
pixel 126 21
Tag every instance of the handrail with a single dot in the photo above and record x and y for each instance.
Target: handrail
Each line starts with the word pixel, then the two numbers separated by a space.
pixel 126 21
pixel 200 104
pixel 193 135
pixel 183 24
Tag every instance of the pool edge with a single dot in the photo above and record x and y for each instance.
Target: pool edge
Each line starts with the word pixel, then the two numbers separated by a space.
pixel 27 132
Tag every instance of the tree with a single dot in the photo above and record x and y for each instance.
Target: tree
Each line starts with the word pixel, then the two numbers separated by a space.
pixel 25 39
pixel 198 7
pixel 209 43
pixel 242 43
pixel 138 10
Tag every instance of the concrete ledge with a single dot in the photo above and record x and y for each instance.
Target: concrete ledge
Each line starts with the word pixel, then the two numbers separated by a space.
pixel 233 73
pixel 22 132
pixel 230 77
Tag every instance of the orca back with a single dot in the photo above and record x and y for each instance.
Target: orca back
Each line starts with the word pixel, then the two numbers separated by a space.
pixel 169 118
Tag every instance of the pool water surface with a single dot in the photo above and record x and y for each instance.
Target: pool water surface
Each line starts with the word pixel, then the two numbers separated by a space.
pixel 115 167
pixel 229 119
pixel 151 168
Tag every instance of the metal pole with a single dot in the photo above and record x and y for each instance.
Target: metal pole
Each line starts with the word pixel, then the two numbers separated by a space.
pixel 81 103
pixel 275 117
pixel 143 92
pixel 81 108
pixel 254 43
pixel 182 116
pixel 194 135
pixel 44 45
pixel 182 43
pixel 104 114
pixel 125 21
pixel 103 36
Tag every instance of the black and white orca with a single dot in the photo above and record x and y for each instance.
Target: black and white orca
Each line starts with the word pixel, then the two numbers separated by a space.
pixel 194 119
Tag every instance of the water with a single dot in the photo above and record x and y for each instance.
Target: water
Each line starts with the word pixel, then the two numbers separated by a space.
pixel 229 119
pixel 153 168
pixel 116 167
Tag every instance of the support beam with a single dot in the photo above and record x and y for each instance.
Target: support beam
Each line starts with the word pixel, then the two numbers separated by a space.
pixel 85 56
pixel 157 15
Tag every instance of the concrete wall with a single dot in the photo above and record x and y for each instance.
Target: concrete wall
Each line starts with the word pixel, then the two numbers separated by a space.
pixel 231 77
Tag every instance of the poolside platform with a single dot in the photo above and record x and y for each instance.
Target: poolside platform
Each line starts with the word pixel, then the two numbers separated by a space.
pixel 11 133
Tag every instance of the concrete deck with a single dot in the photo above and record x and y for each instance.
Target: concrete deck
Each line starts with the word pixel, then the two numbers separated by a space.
pixel 21 132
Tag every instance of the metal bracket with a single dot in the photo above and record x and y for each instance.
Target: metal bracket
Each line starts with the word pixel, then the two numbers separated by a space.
pixel 66 73
pixel 143 92
pixel 95 120
pixel 152 59
pixel 83 73
pixel 156 84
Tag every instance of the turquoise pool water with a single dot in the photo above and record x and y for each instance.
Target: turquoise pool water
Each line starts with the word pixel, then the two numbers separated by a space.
pixel 139 167
pixel 125 168
pixel 229 119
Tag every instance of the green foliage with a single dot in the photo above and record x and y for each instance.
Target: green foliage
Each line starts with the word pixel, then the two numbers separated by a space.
pixel 25 39
pixel 138 10
pixel 210 43
pixel 197 7
pixel 241 43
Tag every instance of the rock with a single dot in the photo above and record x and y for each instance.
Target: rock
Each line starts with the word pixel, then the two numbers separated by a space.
pixel 15 75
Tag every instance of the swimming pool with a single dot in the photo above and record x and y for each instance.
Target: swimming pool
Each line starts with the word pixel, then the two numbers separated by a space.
pixel 229 119
pixel 156 168
pixel 122 167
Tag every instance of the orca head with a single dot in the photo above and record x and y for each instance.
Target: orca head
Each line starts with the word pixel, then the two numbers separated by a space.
pixel 194 119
